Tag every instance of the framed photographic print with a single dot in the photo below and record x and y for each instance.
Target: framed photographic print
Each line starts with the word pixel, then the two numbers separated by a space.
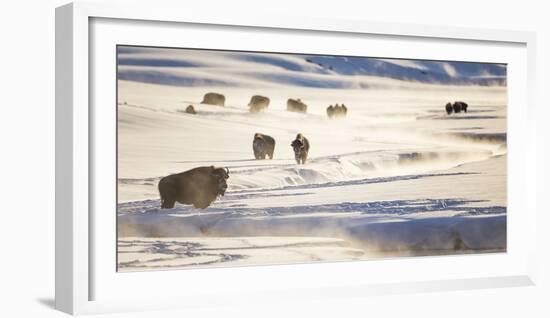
pixel 201 157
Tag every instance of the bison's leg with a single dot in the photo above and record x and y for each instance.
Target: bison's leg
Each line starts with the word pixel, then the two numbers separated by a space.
pixel 270 154
pixel 168 203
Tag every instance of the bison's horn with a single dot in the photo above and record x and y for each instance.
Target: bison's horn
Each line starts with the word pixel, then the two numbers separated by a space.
pixel 227 170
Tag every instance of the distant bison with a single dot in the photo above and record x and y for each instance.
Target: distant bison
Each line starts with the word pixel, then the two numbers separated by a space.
pixel 463 106
pixel 199 187
pixel 449 108
pixel 337 111
pixel 300 145
pixel 330 111
pixel 213 99
pixel 190 110
pixel 263 145
pixel 258 103
pixel 457 107
pixel 296 105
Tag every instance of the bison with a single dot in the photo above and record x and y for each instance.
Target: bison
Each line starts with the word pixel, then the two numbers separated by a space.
pixel 190 110
pixel 258 103
pixel 457 107
pixel 300 145
pixel 344 110
pixel 263 145
pixel 463 106
pixel 199 187
pixel 330 111
pixel 296 105
pixel 449 108
pixel 213 99
pixel 337 111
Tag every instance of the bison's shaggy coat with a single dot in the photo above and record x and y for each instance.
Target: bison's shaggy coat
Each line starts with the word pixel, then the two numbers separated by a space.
pixel 263 145
pixel 199 187
pixel 296 105
pixel 258 103
pixel 300 145
pixel 213 99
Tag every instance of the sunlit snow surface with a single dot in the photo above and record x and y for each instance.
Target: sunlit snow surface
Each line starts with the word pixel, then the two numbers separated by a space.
pixel 396 177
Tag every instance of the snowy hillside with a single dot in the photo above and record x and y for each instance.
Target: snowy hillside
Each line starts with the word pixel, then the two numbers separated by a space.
pixel 236 68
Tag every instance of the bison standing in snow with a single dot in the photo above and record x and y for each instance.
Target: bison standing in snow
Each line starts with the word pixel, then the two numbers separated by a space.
pixel 296 105
pixel 462 106
pixel 213 99
pixel 263 145
pixel 449 108
pixel 337 111
pixel 300 145
pixel 258 103
pixel 190 110
pixel 199 187
pixel 457 107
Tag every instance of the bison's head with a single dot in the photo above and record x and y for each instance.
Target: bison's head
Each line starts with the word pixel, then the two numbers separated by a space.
pixel 220 176
pixel 298 146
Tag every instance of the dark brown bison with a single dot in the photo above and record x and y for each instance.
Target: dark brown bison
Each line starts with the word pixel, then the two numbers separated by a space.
pixel 463 106
pixel 296 105
pixel 449 108
pixel 263 145
pixel 190 110
pixel 337 111
pixel 258 103
pixel 199 187
pixel 300 145
pixel 458 107
pixel 213 99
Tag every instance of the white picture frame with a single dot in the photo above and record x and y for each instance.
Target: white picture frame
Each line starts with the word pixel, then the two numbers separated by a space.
pixel 75 263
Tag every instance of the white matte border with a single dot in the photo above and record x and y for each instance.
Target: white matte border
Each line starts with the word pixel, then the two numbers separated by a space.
pixel 77 87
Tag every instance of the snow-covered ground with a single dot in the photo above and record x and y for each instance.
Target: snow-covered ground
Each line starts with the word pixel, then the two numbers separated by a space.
pixel 396 177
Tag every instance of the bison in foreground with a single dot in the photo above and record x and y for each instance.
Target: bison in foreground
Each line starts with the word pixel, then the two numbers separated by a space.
pixel 199 187
pixel 258 103
pixel 300 145
pixel 213 99
pixel 296 105
pixel 263 145
pixel 337 111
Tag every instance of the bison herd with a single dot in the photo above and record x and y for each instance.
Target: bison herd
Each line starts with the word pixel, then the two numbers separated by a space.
pixel 456 107
pixel 260 103
pixel 337 111
pixel 202 185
